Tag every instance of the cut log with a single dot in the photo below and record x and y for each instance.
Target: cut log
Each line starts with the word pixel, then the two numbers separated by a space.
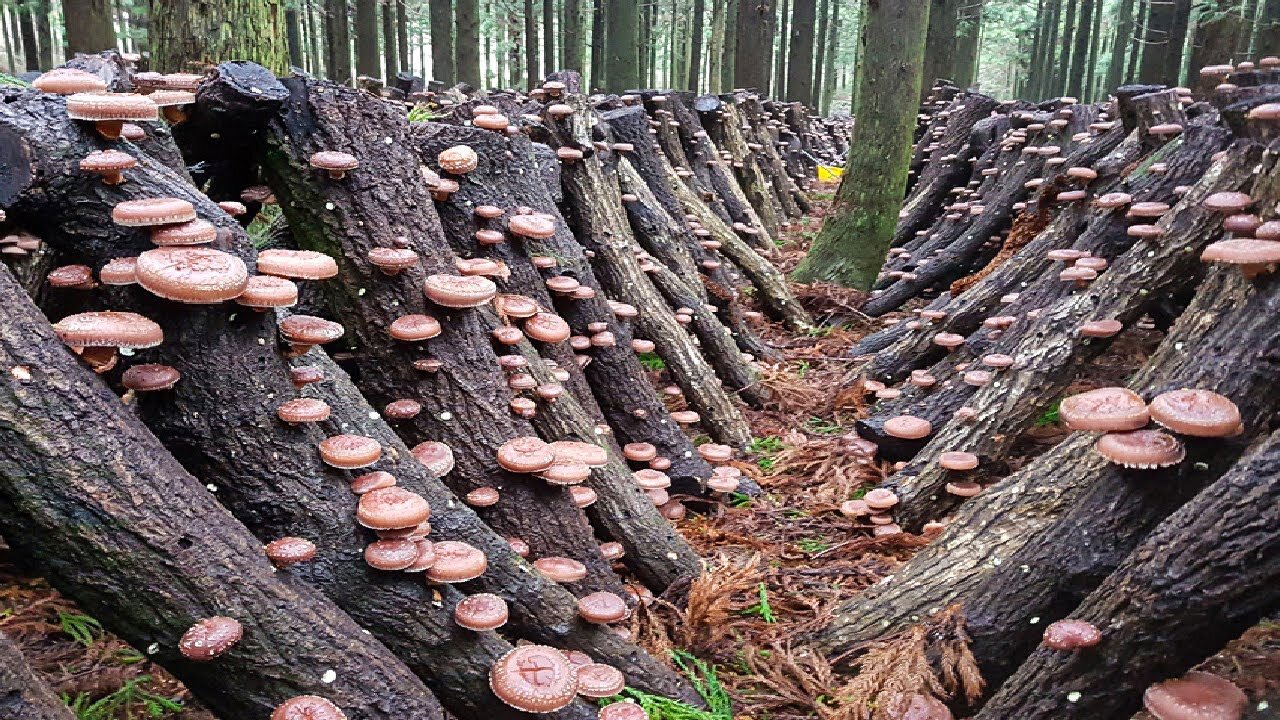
pixel 23 695
pixel 92 501
pixel 1205 574
pixel 723 122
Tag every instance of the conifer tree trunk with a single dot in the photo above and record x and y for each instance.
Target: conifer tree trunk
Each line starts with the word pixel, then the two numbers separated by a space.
pixel 829 61
pixel 205 31
pixel 967 41
pixel 715 52
pixel 821 53
pixel 622 51
pixel 530 45
pixel 402 36
pixel 729 48
pixel 1080 53
pixel 293 28
pixel 338 34
pixel 1267 40
pixel 598 19
pixel 442 54
pixel 1215 37
pixel 467 42
pixel 1155 46
pixel 940 43
pixel 44 33
pixel 780 62
pixel 390 49
pixel 1061 67
pixel 852 244
pixel 571 38
pixel 549 37
pixel 753 32
pixel 1095 50
pixel 695 46
pixel 1041 74
pixel 88 26
pixel 27 29
pixel 367 62
pixel 800 87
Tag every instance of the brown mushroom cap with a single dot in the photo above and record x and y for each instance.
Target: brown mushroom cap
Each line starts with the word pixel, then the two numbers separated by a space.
pixel 955 460
pixel 457 562
pixel 516 306
pixel 150 377
pixel 639 451
pixel 108 329
pixel 459 291
pixel 300 410
pixel 371 481
pixel 297 264
pixel 334 161
pixel 1101 328
pixel 483 497
pixel 623 711
pixel 195 275
pixel 391 554
pixel 1142 449
pixel 111 107
pixel 547 327
pixel 415 328
pixel 349 452
pixel 119 271
pixel 1109 408
pixel 193 232
pixel 210 638
pixel 310 330
pixel 1071 635
pixel 109 164
pixel 526 454
pixel 392 260
pixel 71 276
pixel 288 551
pixel 436 456
pixel 597 680
pixel 69 81
pixel 561 569
pixel 1228 202
pixel 532 226
pixel 1149 209
pixel 268 291
pixel 392 508
pixel 307 707
pixel 880 499
pixel 534 679
pixel 1195 696
pixel 459 159
pixel 1254 255
pixel 480 612
pixel 602 608
pixel 574 451
pixel 149 212
pixel 1198 413
pixel 907 427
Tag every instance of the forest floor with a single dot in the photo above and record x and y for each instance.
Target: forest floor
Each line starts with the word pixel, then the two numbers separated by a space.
pixel 778 563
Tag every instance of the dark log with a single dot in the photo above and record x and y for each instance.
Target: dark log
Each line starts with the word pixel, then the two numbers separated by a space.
pixel 24 695
pixel 723 122
pixel 92 501
pixel 625 514
pixel 1204 575
pixel 595 211
pixel 760 128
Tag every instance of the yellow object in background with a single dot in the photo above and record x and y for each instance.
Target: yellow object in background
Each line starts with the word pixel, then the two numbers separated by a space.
pixel 829 173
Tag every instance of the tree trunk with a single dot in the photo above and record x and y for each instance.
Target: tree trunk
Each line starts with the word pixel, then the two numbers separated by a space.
pixel 405 54
pixel 549 37
pixel 832 46
pixel 780 58
pixel 27 29
pixel 367 60
pixel 1090 91
pixel 571 38
pixel 12 39
pixel 23 695
pixel 1080 53
pixel 44 32
pixel 967 44
pixel 338 33
pixel 530 46
pixel 442 50
pixel 1203 576
pixel 753 33
pixel 854 239
pixel 940 43
pixel 195 31
pixel 622 52
pixel 599 9
pixel 163 554
pixel 466 65
pixel 293 36
pixel 728 57
pixel 800 66
pixel 1267 41
pixel 88 26
pixel 695 46
pixel 823 54
pixel 390 45
pixel 1156 48
pixel 1178 40
pixel 1215 36
pixel 1061 66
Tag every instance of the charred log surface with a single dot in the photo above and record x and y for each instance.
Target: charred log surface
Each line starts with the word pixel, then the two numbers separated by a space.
pixel 1051 346
pixel 723 122
pixel 624 513
pixel 595 210
pixel 704 159
pixel 945 162
pixel 23 695
pixel 91 500
pixel 1034 544
pixel 385 203
pixel 1205 574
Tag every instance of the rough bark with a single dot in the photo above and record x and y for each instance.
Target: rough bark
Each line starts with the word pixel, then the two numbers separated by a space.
pixel 390 46
pixel 293 37
pixel 1205 574
pixel 205 33
pixel 728 58
pixel 571 40
pixel 367 61
pixel 1121 44
pixel 800 67
pixel 622 50
pixel 851 246
pixel 695 46
pixel 160 554
pixel 466 43
pixel 1157 47
pixel 753 35
pixel 88 26
pixel 338 41
pixel 549 36
pixel 23 695
pixel 1080 52
pixel 940 42
pixel 442 52
pixel 723 121
pixel 530 45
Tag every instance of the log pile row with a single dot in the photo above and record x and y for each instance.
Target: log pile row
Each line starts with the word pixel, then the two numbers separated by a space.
pixel 450 511
pixel 1037 238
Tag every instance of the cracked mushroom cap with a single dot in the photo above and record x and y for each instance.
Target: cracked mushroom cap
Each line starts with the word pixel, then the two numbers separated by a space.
pixel 119 271
pixel 194 275
pixel 1195 696
pixel 150 377
pixel 350 452
pixel 1071 635
pixel 480 612
pixel 459 291
pixel 526 454
pixel 392 508
pixel 297 264
pixel 1111 409
pixel 907 427
pixel 547 327
pixel 301 410
pixel 111 106
pixel 149 212
pixel 457 562
pixel 601 608
pixel 108 329
pixel 287 551
pixel 210 638
pixel 1198 413
pixel 597 680
pixel 534 679
pixel 307 707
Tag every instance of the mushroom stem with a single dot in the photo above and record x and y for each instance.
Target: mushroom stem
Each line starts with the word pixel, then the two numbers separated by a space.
pixel 175 114
pixel 112 177
pixel 337 174
pixel 109 129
